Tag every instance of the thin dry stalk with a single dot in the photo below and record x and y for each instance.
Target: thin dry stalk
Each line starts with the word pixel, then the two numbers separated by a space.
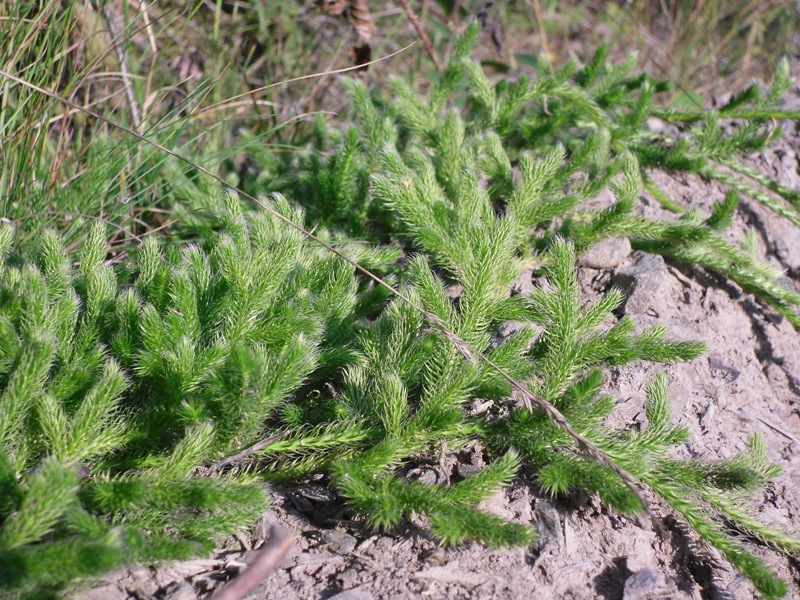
pixel 584 444
pixel 72 214
pixel 537 9
pixel 245 453
pixel 423 37
pixel 319 83
pixel 122 57
pixel 271 555
pixel 302 77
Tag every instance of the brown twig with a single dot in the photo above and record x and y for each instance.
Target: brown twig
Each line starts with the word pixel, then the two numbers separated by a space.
pixel 423 37
pixel 302 77
pixel 537 9
pixel 245 453
pixel 271 555
pixel 122 57
pixel 67 213
pixel 777 429
pixel 322 80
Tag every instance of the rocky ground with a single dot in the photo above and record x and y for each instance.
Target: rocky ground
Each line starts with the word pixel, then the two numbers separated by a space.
pixel 748 381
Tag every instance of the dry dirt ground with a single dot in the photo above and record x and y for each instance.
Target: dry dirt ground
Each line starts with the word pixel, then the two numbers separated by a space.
pixel 748 381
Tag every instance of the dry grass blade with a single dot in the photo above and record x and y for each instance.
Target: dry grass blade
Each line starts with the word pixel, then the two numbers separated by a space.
pixel 537 9
pixel 423 37
pixel 125 71
pixel 245 453
pixel 529 398
pixel 583 443
pixel 227 101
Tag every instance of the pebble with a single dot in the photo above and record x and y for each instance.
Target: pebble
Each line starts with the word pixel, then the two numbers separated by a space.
pixel 522 509
pixel 180 591
pixel 348 578
pixel 354 594
pixel 466 471
pixel 640 585
pixel 607 254
pixel 641 281
pixel 551 536
pixel 497 504
pixel 339 541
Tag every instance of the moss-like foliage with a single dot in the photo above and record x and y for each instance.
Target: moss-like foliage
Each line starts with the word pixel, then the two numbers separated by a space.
pixel 118 386
pixel 133 398
pixel 546 146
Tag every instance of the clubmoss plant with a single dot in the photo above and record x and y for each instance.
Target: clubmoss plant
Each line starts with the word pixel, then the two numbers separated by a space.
pixel 135 398
pixel 118 386
pixel 549 144
pixel 482 193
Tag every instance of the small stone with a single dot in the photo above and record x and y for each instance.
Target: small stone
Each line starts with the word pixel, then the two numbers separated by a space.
pixel 261 528
pixel 348 578
pixel 141 579
pixel 607 254
pixel 509 328
pixel 551 536
pixel 786 249
pixel 451 573
pixel 454 291
pixel 786 168
pixel 523 511
pixel 435 558
pixel 497 504
pixel 640 585
pixel 180 591
pixel 339 541
pixel 467 470
pixel 425 476
pixel 354 594
pixel 313 561
pixel 641 281
pixel 605 198
pixel 656 124
pixel 660 126
pixel 524 283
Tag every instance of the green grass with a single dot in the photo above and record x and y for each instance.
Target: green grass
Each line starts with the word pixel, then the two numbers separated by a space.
pixel 166 73
pixel 154 323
